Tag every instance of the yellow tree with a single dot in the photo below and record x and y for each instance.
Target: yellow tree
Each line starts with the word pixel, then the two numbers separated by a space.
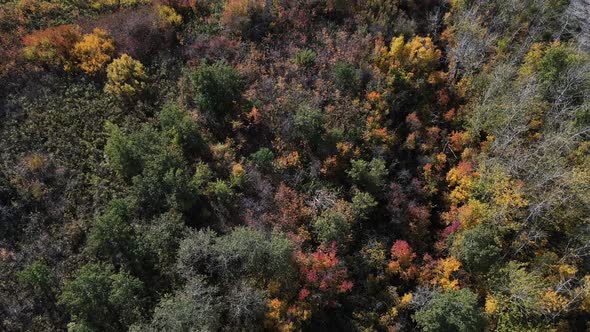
pixel 126 77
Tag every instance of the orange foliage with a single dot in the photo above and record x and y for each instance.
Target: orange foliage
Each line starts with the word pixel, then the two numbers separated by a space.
pixel 444 273
pixel 402 258
pixel 52 46
pixel 458 140
pixel 413 122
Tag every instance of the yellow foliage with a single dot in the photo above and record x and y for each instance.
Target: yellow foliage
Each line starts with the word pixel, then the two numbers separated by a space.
pixel 443 273
pixel 406 300
pixel 532 59
pixel 167 16
pixel 586 294
pixel 418 56
pixel 553 302
pixel 567 271
pixel 491 305
pixel 125 76
pixel 93 51
pixel 388 318
pixel 237 170
pixel 34 162
pixel 277 313
pixel 472 213
pixel 462 191
pixel 109 4
pixel 274 308
pixel 508 193
pixel 291 159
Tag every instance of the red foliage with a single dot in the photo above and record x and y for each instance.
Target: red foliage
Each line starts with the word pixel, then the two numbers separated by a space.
pixel 323 275
pixel 212 49
pixel 402 251
pixel 291 210
pixel 413 122
pixel 402 260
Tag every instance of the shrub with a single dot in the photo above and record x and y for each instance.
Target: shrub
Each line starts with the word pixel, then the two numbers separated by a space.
pixel 263 158
pixel 93 51
pixel 305 58
pixel 36 276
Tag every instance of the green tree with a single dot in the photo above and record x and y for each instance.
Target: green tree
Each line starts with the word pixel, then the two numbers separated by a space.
pixel 309 124
pixel 181 129
pixel 112 236
pixel 369 176
pixel 35 276
pixel 363 205
pixel 333 225
pixel 242 253
pixel 346 78
pixel 478 249
pixel 196 307
pixel 218 87
pixel 451 311
pixel 100 299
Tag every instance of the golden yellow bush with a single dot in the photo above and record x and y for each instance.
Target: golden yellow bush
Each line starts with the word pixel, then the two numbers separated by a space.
pixel 93 51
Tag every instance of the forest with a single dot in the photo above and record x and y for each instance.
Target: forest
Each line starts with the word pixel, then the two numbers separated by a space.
pixel 294 165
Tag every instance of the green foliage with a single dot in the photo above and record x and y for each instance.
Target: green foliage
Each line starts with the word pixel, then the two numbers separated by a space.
pixel 520 294
pixel 101 299
pixel 305 58
pixel 196 307
pixel 327 132
pixel 242 253
pixel 123 152
pixel 218 88
pixel 203 175
pixel 346 78
pixel 163 184
pixel 35 276
pixel 363 204
pixel 161 239
pixel 181 129
pixel 478 249
pixel 451 311
pixel 333 226
pixel 112 236
pixel 369 176
pixel 309 124
pixel 263 158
